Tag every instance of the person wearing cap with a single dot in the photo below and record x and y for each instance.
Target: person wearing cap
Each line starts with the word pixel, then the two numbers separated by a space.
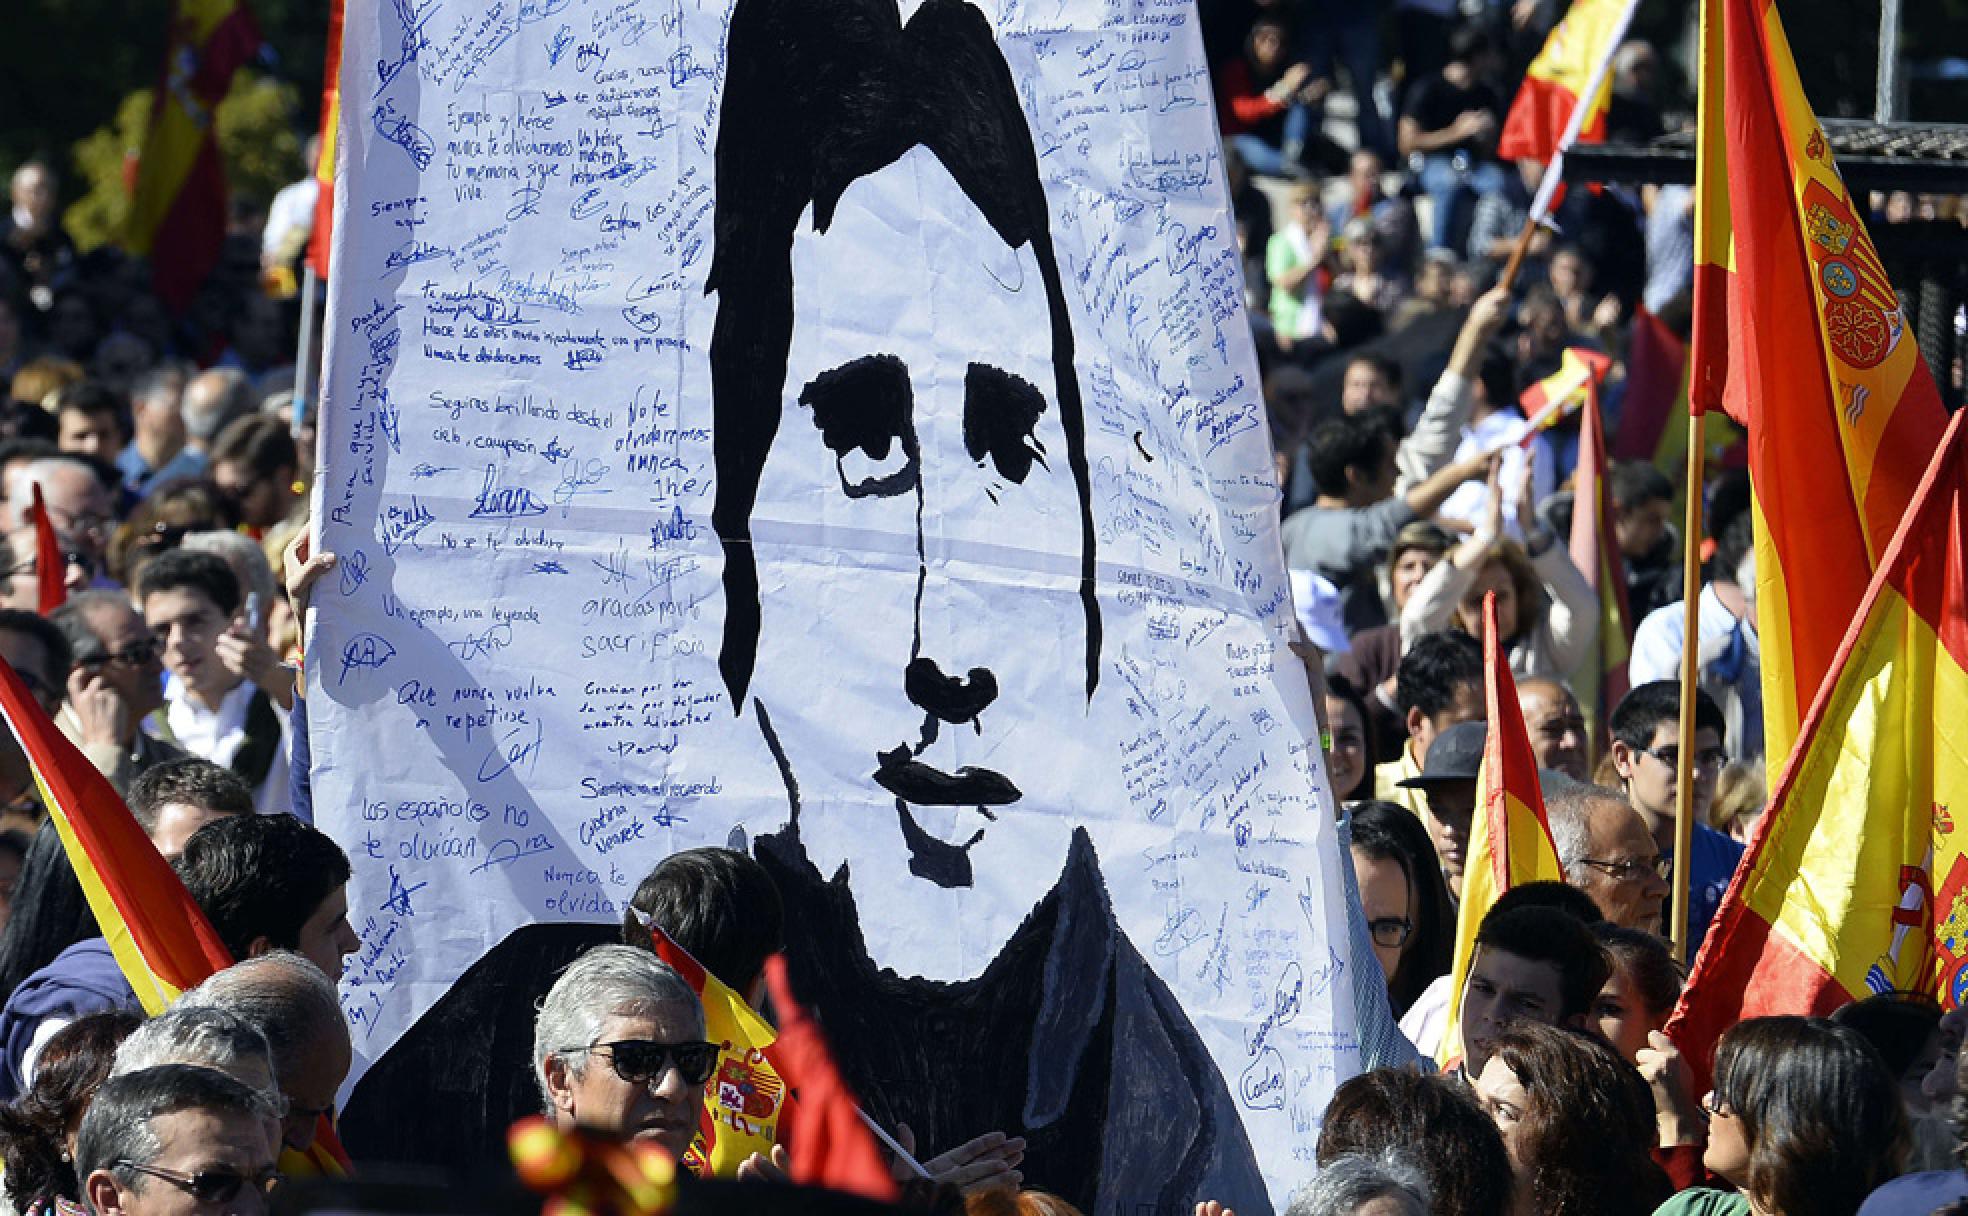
pixel 1448 784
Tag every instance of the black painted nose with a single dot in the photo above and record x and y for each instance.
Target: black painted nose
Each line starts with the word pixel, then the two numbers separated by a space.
pixel 951 699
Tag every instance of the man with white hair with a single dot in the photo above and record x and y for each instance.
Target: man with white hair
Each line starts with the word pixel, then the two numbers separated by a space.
pixel 618 1048
pixel 1606 851
pixel 207 1036
pixel 78 503
pixel 293 1005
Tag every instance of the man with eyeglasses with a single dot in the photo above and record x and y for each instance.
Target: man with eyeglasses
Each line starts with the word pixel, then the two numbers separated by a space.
pixel 175 1140
pixel 115 684
pixel 1647 754
pixel 20 570
pixel 618 1049
pixel 78 503
pixel 1606 851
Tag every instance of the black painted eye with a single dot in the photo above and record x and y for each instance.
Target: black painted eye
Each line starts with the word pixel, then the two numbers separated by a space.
pixel 865 411
pixel 1001 418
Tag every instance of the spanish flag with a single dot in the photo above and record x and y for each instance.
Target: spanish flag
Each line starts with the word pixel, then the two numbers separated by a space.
pixel 1561 394
pixel 324 160
pixel 1856 882
pixel 177 211
pixel 1595 551
pixel 745 1100
pixel 159 936
pixel 1569 67
pixel 1510 839
pixel 1799 337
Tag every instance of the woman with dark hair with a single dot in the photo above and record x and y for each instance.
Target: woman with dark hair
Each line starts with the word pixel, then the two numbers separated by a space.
pixel 37 1133
pixel 1804 1120
pixel 1905 1029
pixel 1577 1122
pixel 1431 1119
pixel 1349 760
pixel 1405 899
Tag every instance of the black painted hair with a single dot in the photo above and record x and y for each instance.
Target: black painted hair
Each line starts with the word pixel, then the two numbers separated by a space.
pixel 816 97
pixel 260 876
pixel 719 905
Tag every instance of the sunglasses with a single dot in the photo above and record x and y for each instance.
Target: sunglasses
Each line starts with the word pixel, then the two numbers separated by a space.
pixel 137 654
pixel 641 1061
pixel 210 1186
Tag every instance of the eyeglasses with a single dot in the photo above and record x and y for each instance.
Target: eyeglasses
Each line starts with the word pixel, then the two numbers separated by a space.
pixel 641 1061
pixel 136 654
pixel 1627 868
pixel 1715 1106
pixel 1708 760
pixel 210 1186
pixel 1390 932
pixel 72 558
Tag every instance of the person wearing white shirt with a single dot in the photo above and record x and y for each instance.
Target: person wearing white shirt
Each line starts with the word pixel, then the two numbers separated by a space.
pixel 228 696
pixel 1497 425
pixel 1728 652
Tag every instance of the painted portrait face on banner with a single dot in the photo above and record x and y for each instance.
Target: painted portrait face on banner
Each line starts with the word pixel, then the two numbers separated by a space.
pixel 956 468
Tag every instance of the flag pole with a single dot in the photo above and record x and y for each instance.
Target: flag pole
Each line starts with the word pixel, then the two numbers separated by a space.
pixel 306 344
pixel 1684 761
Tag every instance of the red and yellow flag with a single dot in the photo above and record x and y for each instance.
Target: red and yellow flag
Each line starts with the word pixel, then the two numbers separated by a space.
pixel 1856 881
pixel 160 938
pixel 1595 550
pixel 1563 72
pixel 1509 838
pixel 1561 394
pixel 324 160
pixel 745 1100
pixel 1799 337
pixel 177 210
pixel 830 1145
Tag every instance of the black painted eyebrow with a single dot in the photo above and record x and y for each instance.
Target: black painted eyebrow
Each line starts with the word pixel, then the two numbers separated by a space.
pixel 865 403
pixel 1001 416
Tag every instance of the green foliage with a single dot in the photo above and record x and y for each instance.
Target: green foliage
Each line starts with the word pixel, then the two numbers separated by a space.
pixel 257 142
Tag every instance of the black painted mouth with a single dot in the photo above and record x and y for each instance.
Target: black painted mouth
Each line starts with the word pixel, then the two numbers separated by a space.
pixel 901 774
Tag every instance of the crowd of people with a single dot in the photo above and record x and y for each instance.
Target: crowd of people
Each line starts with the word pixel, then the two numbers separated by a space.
pixel 166 453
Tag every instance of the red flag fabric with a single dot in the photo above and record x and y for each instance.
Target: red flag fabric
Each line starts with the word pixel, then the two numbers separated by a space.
pixel 50 563
pixel 830 1146
pixel 1594 546
pixel 324 161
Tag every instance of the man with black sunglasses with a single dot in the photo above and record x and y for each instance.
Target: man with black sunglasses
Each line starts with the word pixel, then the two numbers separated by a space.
pixel 115 684
pixel 619 1049
pixel 175 1140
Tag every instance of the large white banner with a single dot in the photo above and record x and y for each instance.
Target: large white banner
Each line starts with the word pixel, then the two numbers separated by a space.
pixel 833 431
